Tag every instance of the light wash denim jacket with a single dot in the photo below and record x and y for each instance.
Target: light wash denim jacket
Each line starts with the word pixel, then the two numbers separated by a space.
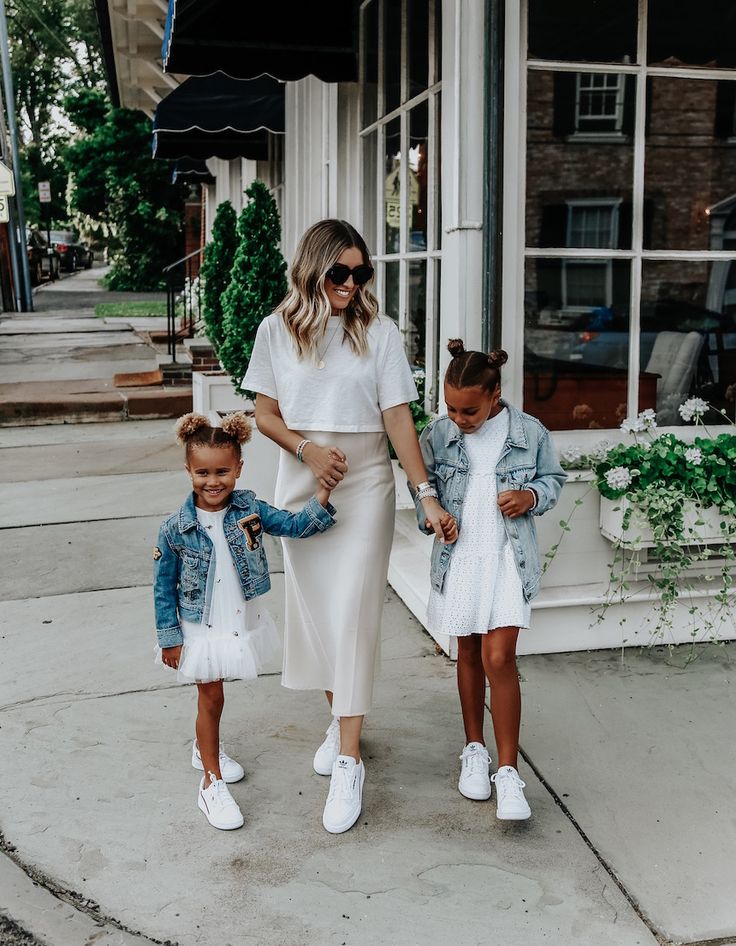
pixel 184 559
pixel 528 458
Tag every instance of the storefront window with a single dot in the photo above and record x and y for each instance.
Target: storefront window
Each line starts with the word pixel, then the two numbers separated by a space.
pixel 402 138
pixel 626 167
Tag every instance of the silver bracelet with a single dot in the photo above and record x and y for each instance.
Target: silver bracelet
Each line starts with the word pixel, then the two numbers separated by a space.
pixel 427 492
pixel 300 450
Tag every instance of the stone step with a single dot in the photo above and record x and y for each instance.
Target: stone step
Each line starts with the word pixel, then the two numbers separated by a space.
pixel 48 405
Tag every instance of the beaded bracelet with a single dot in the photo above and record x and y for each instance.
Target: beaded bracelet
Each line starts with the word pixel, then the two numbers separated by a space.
pixel 427 492
pixel 300 450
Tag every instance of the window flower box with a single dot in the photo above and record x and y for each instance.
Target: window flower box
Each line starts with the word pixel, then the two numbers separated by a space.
pixel 700 526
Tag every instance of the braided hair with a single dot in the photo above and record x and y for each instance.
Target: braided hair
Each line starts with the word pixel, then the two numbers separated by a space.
pixel 194 430
pixel 469 369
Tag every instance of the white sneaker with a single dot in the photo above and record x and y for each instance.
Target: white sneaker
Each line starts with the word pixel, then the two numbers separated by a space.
pixel 230 770
pixel 510 802
pixel 218 805
pixel 474 780
pixel 345 798
pixel 324 757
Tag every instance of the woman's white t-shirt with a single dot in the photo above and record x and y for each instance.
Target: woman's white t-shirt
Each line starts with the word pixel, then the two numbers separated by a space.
pixel 348 394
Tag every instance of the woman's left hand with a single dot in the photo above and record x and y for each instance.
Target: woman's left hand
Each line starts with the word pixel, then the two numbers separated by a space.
pixel 441 521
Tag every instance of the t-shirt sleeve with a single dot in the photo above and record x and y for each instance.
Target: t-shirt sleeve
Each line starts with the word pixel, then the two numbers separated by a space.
pixel 260 374
pixel 395 381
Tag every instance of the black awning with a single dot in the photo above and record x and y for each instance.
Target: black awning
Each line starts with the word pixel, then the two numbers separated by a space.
pixel 246 40
pixel 191 171
pixel 216 116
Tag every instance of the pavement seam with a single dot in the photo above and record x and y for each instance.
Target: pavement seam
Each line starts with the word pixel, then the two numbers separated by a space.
pixel 77 900
pixel 636 907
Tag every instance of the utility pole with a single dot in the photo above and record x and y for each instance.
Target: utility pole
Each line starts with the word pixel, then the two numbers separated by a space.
pixel 26 294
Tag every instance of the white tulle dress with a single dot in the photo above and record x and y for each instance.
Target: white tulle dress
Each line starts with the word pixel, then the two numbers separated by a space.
pixel 240 636
pixel 482 589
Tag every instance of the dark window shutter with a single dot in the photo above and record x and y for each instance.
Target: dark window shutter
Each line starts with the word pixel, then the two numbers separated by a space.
pixel 553 229
pixel 629 116
pixel 725 106
pixel 647 222
pixel 624 226
pixel 563 117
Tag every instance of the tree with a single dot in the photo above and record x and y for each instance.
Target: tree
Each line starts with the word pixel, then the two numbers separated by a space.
pixel 257 283
pixel 219 255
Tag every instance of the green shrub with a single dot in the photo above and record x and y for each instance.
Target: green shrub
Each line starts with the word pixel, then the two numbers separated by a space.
pixel 257 281
pixel 219 255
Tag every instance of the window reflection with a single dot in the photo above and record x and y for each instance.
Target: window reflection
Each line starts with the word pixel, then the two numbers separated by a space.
pixel 582 30
pixel 391 287
pixel 688 334
pixel 681 33
pixel 416 335
pixel 418 30
pixel 392 186
pixel 391 55
pixel 370 59
pixel 418 175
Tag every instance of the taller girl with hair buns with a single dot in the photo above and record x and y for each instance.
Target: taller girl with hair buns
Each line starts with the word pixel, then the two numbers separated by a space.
pixel 209 568
pixel 332 381
pixel 495 469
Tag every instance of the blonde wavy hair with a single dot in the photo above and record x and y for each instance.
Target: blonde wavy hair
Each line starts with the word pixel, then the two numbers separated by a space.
pixel 306 308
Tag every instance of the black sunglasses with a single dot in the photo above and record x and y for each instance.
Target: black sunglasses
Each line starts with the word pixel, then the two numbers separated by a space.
pixel 340 272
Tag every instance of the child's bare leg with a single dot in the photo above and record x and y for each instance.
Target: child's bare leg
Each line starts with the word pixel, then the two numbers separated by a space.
pixel 350 729
pixel 209 710
pixel 499 662
pixel 471 685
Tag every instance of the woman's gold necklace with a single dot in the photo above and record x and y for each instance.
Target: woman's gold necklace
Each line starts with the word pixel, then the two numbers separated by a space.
pixel 321 363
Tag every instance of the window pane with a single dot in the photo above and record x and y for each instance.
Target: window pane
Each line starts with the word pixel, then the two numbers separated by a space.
pixel 684 33
pixel 370 59
pixel 437 380
pixel 370 180
pixel 418 29
pixel 583 30
pixel 418 175
pixel 580 151
pixel 688 334
pixel 391 55
pixel 576 350
pixel 392 185
pixel 438 174
pixel 416 336
pixel 391 289
pixel 690 173
pixel 438 39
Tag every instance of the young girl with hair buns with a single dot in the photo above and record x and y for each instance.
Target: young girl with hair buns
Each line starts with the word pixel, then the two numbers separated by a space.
pixel 209 567
pixel 494 468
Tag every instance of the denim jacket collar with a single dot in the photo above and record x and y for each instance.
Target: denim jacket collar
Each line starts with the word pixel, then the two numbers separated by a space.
pixel 188 511
pixel 516 438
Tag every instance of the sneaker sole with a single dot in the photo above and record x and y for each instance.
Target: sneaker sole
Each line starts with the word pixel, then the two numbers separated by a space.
pixel 341 829
pixel 230 781
pixel 220 827
pixel 475 797
pixel 322 771
pixel 513 817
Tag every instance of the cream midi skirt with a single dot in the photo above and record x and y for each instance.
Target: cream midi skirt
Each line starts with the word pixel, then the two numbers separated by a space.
pixel 336 580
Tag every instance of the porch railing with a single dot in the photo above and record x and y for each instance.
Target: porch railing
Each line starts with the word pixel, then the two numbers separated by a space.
pixel 183 299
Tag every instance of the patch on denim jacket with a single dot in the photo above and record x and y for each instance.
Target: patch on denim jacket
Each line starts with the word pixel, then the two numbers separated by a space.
pixel 252 527
pixel 156 554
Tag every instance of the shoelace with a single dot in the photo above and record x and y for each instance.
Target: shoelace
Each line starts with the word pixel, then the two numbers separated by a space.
pixel 333 734
pixel 221 793
pixel 476 762
pixel 509 783
pixel 341 784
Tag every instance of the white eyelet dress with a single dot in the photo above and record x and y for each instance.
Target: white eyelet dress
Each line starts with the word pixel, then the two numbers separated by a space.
pixel 240 636
pixel 482 589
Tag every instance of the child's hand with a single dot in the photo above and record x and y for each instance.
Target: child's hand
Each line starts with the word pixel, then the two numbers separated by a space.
pixel 323 496
pixel 171 655
pixel 515 502
pixel 448 524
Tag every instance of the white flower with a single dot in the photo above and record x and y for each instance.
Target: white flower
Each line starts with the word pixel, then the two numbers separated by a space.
pixel 419 374
pixel 633 425
pixel 600 450
pixel 571 455
pixel 618 478
pixel 648 418
pixel 694 455
pixel 693 408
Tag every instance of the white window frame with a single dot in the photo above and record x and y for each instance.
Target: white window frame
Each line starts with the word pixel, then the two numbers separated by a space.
pixel 373 202
pixel 613 204
pixel 618 117
pixel 515 251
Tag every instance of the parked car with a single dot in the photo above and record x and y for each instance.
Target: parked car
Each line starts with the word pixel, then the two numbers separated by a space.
pixel 44 261
pixel 74 254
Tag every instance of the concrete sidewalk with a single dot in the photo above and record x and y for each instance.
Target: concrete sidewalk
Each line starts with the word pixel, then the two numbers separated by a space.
pixel 629 765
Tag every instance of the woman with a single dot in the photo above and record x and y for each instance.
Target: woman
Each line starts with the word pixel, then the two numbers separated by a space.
pixel 332 380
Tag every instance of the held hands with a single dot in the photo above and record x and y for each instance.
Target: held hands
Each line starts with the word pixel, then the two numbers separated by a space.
pixel 515 502
pixel 437 518
pixel 323 496
pixel 328 464
pixel 171 655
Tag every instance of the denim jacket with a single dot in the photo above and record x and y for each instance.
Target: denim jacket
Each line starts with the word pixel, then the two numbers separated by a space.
pixel 184 559
pixel 528 458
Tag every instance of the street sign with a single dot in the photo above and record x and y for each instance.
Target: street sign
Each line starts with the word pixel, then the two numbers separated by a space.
pixel 4 209
pixel 7 181
pixel 44 192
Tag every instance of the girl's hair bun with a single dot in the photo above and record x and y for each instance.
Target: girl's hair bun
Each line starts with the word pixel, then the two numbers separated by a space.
pixel 188 425
pixel 455 347
pixel 238 426
pixel 497 358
